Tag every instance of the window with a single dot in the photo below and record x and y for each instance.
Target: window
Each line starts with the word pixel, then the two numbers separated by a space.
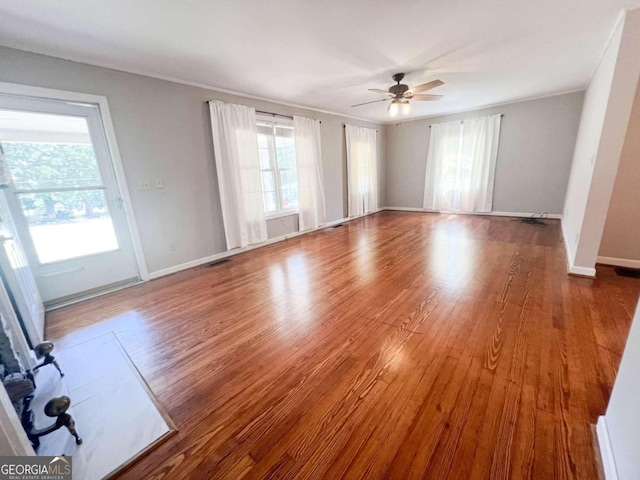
pixel 57 184
pixel 461 165
pixel 277 151
pixel 362 169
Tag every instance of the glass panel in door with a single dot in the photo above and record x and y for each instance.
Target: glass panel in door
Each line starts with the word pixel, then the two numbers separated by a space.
pixel 71 224
pixel 64 196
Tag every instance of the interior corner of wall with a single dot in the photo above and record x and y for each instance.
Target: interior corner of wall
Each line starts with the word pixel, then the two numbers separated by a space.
pixel 565 234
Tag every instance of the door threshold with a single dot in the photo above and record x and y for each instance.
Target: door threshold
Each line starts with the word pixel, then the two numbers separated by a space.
pixel 89 294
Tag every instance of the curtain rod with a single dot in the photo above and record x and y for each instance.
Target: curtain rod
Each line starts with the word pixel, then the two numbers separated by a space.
pixel 462 121
pixel 344 125
pixel 290 117
pixel 278 115
pixel 274 114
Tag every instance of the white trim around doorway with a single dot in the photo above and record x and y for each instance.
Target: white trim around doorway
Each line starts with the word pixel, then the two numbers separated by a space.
pixel 105 114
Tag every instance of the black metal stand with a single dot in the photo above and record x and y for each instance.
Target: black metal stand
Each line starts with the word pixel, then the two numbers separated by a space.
pixel 21 388
pixel 44 350
pixel 56 407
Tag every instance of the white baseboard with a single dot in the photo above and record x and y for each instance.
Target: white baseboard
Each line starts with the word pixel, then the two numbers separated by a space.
pixel 606 450
pixel 404 209
pixel 571 267
pixel 492 214
pixel 552 216
pixel 218 256
pixel 581 271
pixel 619 262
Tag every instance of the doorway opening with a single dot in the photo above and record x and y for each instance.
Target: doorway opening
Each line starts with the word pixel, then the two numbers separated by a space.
pixel 66 202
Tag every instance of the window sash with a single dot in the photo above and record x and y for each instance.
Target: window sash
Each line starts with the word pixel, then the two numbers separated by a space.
pixel 273 168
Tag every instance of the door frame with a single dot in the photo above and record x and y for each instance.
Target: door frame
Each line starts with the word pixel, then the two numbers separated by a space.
pixel 112 144
pixel 11 325
pixel 13 439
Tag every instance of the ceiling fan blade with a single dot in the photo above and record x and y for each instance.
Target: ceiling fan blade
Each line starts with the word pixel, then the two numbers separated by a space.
pixel 366 103
pixel 377 90
pixel 425 86
pixel 425 98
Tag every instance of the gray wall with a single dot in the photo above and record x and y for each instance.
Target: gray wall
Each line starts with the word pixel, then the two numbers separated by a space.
pixel 534 157
pixel 163 130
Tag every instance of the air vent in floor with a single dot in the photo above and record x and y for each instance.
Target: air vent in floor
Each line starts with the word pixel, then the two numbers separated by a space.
pixel 628 272
pixel 218 262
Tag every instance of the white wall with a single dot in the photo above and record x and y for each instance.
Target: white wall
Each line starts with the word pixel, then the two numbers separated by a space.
pixel 623 414
pixel 603 127
pixel 534 156
pixel 163 130
pixel 591 122
pixel 621 237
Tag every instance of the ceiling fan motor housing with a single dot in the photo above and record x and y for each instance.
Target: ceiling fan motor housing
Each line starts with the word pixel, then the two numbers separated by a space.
pixel 398 90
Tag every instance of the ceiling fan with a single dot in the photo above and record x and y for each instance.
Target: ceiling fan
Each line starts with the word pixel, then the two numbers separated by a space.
pixel 400 94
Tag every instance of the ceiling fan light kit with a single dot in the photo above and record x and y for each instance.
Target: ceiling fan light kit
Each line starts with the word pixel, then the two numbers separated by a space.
pixel 400 95
pixel 406 107
pixel 402 106
pixel 394 108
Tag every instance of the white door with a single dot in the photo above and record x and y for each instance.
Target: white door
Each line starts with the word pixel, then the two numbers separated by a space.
pixel 19 278
pixel 64 198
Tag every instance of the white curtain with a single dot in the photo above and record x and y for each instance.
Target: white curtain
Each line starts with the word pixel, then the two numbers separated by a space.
pixel 5 176
pixel 362 169
pixel 461 165
pixel 310 177
pixel 235 146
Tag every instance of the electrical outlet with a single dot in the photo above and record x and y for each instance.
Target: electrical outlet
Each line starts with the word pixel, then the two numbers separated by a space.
pixel 172 246
pixel 159 183
pixel 144 185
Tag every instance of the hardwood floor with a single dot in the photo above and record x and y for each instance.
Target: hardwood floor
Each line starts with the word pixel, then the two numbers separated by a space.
pixel 400 345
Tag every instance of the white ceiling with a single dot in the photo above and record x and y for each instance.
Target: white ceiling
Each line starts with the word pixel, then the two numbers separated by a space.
pixel 326 53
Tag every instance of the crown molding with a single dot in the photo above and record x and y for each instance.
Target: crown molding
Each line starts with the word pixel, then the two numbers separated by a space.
pixel 166 78
pixel 483 107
